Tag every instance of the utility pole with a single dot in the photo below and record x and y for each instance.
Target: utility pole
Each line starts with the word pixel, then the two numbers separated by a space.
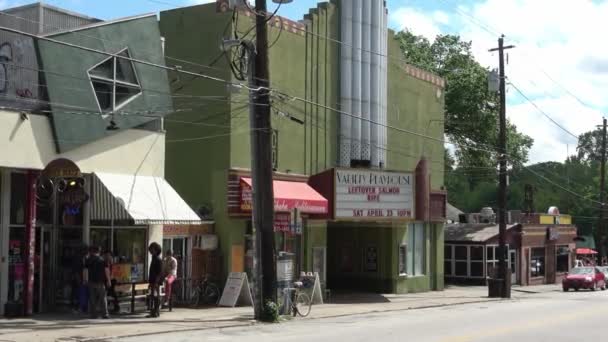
pixel 502 175
pixel 261 166
pixel 600 223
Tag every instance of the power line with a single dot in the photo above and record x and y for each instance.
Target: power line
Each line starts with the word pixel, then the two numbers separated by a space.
pixel 541 111
pixel 151 64
pixel 179 70
pixel 493 32
pixel 46 71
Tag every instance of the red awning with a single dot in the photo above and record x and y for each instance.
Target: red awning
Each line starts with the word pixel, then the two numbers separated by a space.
pixel 288 196
pixel 585 251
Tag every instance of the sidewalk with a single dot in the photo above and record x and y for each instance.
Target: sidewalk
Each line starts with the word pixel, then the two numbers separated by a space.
pixel 68 328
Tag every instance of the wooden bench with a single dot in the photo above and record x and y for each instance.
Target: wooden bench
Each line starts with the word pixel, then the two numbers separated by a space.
pixel 131 295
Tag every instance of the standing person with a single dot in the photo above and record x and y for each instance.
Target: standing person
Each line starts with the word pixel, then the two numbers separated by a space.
pixel 83 291
pixel 108 258
pixel 155 277
pixel 98 280
pixel 77 268
pixel 170 274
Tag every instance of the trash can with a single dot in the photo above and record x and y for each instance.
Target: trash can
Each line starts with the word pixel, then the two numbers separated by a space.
pixel 496 286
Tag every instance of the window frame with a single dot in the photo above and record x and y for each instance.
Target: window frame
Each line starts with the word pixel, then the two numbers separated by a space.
pixel 557 249
pixel 114 82
pixel 449 260
pixel 412 242
pixel 535 274
pixel 402 259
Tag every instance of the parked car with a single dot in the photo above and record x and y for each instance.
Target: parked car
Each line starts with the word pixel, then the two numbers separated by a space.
pixel 591 278
pixel 604 269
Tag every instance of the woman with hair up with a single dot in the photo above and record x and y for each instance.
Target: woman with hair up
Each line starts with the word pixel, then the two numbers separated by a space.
pixel 155 278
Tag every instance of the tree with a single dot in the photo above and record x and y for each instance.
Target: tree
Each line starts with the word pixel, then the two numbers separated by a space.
pixel 589 148
pixel 471 111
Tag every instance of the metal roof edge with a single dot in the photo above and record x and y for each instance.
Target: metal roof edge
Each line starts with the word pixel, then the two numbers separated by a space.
pixel 99 24
pixel 51 7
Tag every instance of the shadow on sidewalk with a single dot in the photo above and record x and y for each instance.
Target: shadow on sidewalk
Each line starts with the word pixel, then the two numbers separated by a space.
pixel 58 322
pixel 348 297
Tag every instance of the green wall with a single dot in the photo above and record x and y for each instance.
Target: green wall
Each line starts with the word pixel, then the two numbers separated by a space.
pixel 417 106
pixel 75 113
pixel 305 66
pixel 199 132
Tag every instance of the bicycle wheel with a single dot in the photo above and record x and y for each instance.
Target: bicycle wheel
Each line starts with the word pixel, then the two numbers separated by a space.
pixel 302 304
pixel 195 299
pixel 212 294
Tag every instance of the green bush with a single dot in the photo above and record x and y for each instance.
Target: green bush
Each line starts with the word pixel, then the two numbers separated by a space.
pixel 271 312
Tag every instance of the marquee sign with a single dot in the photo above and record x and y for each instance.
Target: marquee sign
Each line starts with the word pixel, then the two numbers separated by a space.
pixel 367 194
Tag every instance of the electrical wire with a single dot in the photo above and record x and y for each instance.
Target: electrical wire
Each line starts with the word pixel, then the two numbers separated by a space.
pixel 231 83
pixel 495 33
pixel 139 61
pixel 541 111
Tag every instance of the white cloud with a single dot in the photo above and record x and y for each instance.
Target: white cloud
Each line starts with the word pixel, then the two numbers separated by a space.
pixel 200 2
pixel 416 21
pixel 559 38
pixel 441 17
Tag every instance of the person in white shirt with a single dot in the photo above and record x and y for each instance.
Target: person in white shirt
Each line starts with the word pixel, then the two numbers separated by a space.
pixel 170 273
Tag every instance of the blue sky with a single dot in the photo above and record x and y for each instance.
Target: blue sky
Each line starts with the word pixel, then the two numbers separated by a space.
pixel 558 62
pixel 109 9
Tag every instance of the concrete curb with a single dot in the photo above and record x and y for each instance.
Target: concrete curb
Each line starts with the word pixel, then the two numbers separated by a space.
pixel 253 322
pixel 107 338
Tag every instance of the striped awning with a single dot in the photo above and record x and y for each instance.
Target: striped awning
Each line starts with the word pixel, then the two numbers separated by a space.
pixel 143 199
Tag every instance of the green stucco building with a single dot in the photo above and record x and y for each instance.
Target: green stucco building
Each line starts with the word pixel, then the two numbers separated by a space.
pixel 382 227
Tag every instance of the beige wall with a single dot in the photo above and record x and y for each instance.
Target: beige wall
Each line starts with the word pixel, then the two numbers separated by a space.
pixel 29 144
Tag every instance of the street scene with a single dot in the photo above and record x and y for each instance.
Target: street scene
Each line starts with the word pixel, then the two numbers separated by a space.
pixel 189 170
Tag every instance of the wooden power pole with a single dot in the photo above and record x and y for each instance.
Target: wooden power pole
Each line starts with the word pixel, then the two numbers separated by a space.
pixel 601 232
pixel 261 166
pixel 502 175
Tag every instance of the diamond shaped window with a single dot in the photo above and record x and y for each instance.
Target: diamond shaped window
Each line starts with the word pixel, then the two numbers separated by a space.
pixel 114 82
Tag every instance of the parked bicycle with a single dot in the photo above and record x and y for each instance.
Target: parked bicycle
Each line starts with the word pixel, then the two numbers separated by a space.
pixel 299 301
pixel 205 292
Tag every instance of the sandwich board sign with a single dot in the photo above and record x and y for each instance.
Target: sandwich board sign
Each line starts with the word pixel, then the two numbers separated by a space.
pixel 314 292
pixel 237 291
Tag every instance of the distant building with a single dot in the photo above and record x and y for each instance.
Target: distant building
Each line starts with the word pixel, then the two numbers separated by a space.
pixel 541 249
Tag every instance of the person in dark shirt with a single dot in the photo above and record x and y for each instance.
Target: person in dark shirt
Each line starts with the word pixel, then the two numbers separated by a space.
pixel 98 278
pixel 155 278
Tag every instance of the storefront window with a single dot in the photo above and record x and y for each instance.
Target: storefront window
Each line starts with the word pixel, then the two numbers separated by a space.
pixel 562 259
pixel 476 253
pixel 476 259
pixel 460 252
pixel 537 262
pixel 16 264
pixel 447 254
pixel 17 198
pixel 476 269
pixel 402 259
pixel 102 238
pixel 416 251
pixel 461 268
pixel 130 245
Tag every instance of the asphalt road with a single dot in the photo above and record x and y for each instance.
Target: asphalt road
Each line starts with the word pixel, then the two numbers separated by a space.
pixel 554 316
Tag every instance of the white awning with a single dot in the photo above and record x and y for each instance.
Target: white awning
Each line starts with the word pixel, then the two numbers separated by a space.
pixel 143 199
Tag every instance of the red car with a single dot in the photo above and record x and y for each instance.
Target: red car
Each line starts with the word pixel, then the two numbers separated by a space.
pixel 590 278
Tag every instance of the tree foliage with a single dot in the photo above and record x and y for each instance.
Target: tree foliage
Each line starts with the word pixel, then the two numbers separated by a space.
pixel 471 111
